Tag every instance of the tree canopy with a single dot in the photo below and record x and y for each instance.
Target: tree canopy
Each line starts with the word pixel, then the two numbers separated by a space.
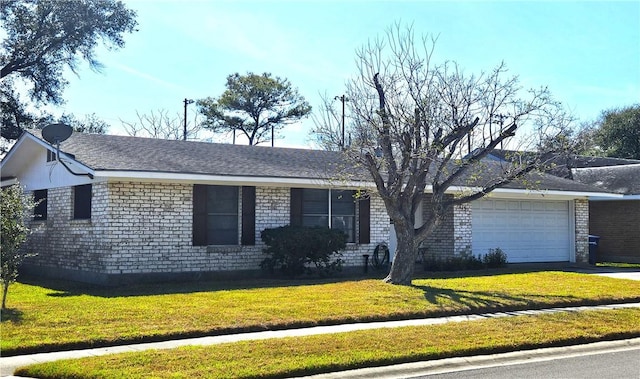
pixel 42 38
pixel 618 132
pixel 254 104
pixel 427 127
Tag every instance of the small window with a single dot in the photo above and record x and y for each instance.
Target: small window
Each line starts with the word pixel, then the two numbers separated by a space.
pixel 51 156
pixel 40 210
pixel 82 202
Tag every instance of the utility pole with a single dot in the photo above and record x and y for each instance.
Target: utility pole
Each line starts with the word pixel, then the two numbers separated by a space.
pixel 186 102
pixel 343 99
pixel 500 120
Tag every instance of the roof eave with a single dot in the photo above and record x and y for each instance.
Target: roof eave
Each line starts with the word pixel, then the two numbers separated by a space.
pixel 537 193
pixel 170 177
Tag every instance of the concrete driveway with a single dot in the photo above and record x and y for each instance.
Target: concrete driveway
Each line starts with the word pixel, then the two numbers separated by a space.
pixel 633 275
pixel 618 273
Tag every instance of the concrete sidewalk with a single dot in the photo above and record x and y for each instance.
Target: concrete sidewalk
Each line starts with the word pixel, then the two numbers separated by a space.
pixel 9 364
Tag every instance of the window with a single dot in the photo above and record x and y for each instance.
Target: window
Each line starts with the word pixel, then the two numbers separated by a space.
pixel 222 215
pixel 82 202
pixel 329 208
pixel 343 213
pixel 40 210
pixel 216 218
pixel 51 156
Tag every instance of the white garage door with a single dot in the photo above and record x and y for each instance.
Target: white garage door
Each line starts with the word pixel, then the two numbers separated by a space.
pixel 526 230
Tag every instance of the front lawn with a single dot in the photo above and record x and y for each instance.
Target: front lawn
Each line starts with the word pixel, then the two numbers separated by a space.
pixel 277 358
pixel 64 315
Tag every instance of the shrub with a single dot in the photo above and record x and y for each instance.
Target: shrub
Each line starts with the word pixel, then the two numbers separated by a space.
pixel 296 250
pixel 465 260
pixel 495 258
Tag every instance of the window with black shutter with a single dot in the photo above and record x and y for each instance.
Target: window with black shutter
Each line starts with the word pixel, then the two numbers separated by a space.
pixel 216 216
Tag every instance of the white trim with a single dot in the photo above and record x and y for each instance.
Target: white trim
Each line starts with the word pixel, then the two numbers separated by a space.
pixel 621 198
pixel 551 194
pixel 46 146
pixel 228 180
pixel 8 182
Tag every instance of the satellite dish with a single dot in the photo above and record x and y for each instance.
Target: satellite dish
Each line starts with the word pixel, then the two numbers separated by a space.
pixel 56 133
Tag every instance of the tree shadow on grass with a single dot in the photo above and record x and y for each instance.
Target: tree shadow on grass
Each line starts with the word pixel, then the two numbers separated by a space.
pixel 481 300
pixel 12 315
pixel 65 288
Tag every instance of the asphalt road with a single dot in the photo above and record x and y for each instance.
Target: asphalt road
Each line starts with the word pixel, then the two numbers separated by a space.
pixel 619 365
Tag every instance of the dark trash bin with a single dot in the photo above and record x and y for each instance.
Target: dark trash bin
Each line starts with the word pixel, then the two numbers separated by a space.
pixel 594 241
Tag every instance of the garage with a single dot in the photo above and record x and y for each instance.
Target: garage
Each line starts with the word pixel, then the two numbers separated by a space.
pixel 526 230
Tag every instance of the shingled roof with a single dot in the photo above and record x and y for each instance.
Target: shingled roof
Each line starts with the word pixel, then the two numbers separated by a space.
pixel 619 179
pixel 111 153
pixel 124 153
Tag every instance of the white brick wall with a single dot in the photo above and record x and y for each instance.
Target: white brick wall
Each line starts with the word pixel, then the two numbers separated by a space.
pixel 142 228
pixel 139 228
pixel 462 231
pixel 582 230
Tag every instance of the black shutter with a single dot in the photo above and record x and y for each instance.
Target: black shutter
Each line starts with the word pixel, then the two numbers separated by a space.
pixel 296 207
pixel 364 217
pixel 82 202
pixel 248 216
pixel 199 215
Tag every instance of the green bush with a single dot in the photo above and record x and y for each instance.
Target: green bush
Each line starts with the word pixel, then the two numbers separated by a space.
pixel 296 250
pixel 495 258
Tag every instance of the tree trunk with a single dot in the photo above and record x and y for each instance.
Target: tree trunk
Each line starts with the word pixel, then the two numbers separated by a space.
pixel 5 288
pixel 404 261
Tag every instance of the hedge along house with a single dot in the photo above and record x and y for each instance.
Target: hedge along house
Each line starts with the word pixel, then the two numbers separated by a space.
pixel 157 209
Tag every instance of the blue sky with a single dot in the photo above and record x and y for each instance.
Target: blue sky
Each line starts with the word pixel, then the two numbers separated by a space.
pixel 587 53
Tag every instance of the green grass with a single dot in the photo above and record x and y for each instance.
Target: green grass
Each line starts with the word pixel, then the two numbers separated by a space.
pixel 62 315
pixel 618 265
pixel 287 357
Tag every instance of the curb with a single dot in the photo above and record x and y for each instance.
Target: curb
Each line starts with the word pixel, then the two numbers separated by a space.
pixel 440 366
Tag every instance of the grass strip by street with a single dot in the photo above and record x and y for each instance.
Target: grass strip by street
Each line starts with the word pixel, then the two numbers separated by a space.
pixel 287 357
pixel 618 265
pixel 64 315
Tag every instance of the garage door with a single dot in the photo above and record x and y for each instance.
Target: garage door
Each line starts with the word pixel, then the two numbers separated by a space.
pixel 527 231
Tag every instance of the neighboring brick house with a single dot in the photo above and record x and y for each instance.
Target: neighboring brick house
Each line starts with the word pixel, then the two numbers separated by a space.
pixel 146 209
pixel 615 221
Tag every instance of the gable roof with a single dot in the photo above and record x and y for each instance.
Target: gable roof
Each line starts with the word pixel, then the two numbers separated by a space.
pixel 124 156
pixel 101 152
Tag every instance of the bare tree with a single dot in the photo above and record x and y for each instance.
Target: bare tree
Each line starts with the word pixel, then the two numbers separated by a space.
pixel 160 124
pixel 327 130
pixel 427 127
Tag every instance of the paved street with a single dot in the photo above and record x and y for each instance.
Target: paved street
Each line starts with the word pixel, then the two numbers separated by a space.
pixel 618 364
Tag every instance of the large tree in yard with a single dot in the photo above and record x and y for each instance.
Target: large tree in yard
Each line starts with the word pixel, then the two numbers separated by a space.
pixel 42 37
pixel 427 127
pixel 255 105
